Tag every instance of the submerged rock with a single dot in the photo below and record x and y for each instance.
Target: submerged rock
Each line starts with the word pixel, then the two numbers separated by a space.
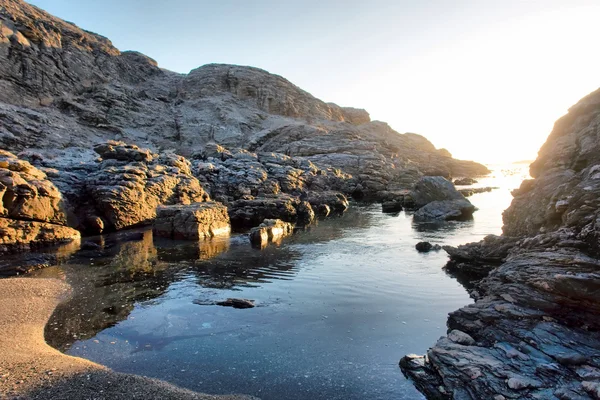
pixel 236 303
pixel 393 206
pixel 424 247
pixel 196 221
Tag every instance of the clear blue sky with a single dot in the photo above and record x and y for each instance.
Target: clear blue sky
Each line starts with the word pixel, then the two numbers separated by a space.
pixel 485 79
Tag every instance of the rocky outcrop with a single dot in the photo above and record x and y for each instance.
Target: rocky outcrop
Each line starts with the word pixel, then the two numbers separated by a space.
pixel 131 183
pixel 32 210
pixel 532 332
pixel 196 221
pixel 63 86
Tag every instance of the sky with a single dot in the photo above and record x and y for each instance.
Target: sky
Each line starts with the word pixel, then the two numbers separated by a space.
pixel 485 79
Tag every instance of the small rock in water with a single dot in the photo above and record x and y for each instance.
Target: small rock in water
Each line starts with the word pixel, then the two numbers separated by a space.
pixel 391 206
pixel 424 247
pixel 236 303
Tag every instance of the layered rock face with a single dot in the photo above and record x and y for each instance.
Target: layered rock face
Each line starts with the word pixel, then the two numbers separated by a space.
pixel 32 210
pixel 62 86
pixel 532 332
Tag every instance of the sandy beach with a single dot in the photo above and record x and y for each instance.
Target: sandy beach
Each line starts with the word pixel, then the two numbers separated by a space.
pixel 31 369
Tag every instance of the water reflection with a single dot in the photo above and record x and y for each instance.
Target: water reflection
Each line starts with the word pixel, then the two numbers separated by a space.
pixel 113 273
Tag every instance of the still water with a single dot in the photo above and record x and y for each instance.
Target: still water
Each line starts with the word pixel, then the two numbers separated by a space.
pixel 337 304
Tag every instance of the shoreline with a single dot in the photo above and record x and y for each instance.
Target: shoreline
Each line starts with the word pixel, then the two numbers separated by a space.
pixel 31 369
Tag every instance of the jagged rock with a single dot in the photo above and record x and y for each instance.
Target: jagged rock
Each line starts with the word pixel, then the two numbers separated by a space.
pixel 445 210
pixel 270 230
pixel 195 221
pixel 465 181
pixel 46 103
pixel 535 320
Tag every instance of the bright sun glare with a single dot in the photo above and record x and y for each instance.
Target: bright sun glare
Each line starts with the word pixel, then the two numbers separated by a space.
pixel 494 97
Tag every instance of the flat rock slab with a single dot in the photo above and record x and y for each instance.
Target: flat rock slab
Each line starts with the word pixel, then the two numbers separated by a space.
pixel 195 221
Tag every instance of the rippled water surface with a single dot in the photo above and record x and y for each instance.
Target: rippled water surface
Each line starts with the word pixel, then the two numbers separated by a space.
pixel 337 304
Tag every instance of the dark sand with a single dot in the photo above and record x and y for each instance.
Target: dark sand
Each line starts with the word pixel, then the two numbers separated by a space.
pixel 30 369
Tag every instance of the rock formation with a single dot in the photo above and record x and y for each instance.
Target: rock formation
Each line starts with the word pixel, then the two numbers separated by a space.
pixel 196 221
pixel 532 332
pixel 63 87
pixel 32 210
pixel 437 199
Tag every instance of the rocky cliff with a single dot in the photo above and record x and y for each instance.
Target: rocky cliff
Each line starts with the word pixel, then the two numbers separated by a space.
pixel 533 331
pixel 61 86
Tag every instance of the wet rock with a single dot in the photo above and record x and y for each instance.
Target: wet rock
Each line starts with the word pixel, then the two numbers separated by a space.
pixel 269 231
pixel 391 206
pixel 535 319
pixel 445 210
pixel 424 247
pixel 237 303
pixel 335 201
pixel 196 221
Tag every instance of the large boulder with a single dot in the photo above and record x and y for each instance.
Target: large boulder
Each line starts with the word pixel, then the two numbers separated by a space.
pixel 196 221
pixel 434 188
pixel 445 210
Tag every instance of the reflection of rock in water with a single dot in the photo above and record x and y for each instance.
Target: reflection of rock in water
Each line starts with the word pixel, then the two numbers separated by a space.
pixel 122 269
pixel 174 251
pixel 19 264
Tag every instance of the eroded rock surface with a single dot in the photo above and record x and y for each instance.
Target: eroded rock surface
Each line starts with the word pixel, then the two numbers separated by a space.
pixel 63 86
pixel 32 210
pixel 533 331
pixel 196 221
